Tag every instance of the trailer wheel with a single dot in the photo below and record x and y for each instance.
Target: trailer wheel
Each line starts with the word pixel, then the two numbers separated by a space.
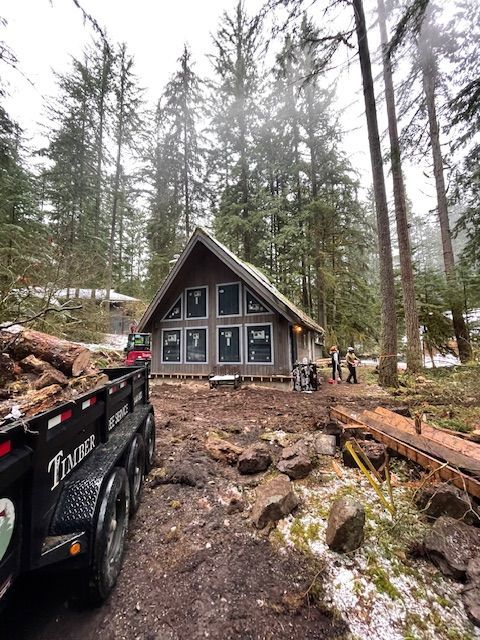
pixel 135 467
pixel 149 438
pixel 109 537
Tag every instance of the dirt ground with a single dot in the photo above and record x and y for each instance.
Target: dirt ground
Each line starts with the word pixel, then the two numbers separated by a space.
pixel 194 566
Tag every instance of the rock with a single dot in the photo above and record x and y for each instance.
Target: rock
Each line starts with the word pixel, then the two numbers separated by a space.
pixel 222 450
pixel 473 570
pixel 346 522
pixel 254 459
pixel 375 452
pixel 275 500
pixel 446 500
pixel 334 429
pixel 295 462
pixel 324 445
pixel 191 475
pixel 450 544
pixel 471 601
pixel 236 505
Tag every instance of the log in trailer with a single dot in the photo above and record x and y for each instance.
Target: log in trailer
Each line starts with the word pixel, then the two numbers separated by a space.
pixel 69 480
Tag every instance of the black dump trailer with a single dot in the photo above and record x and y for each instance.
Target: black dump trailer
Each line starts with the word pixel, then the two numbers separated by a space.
pixel 69 480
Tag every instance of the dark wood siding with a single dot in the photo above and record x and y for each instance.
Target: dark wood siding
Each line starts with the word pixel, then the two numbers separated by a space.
pixel 204 269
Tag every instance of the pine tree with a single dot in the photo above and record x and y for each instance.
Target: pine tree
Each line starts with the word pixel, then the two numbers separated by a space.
pixel 182 110
pixel 235 93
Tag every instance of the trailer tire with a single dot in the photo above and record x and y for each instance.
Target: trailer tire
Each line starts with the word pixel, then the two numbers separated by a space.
pixel 109 538
pixel 135 467
pixel 149 437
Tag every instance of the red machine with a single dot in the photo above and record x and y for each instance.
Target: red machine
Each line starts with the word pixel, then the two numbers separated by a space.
pixel 138 349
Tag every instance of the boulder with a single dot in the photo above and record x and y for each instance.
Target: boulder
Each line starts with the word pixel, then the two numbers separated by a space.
pixel 295 462
pixel 275 500
pixel 471 601
pixel 346 522
pixel 222 450
pixel 254 459
pixel 324 445
pixel 473 570
pixel 446 500
pixel 451 544
pixel 376 452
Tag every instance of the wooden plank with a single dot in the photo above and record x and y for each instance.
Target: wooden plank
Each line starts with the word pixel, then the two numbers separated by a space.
pixel 424 443
pixel 447 439
pixel 442 471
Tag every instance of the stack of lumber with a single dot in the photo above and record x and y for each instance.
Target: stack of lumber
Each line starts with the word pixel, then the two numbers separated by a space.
pixel 39 371
pixel 452 458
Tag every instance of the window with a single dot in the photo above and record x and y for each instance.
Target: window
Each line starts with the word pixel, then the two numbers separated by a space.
pixel 196 345
pixel 259 343
pixel 197 302
pixel 171 345
pixel 229 345
pixel 228 299
pixel 175 312
pixel 254 305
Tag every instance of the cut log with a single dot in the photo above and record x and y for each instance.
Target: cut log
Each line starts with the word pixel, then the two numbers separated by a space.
pixel 88 382
pixel 71 359
pixel 7 368
pixel 35 402
pixel 51 376
pixel 48 374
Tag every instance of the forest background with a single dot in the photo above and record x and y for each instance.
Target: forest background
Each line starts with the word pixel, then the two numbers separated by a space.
pixel 256 150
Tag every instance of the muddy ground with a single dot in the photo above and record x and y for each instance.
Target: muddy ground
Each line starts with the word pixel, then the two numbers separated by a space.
pixel 194 566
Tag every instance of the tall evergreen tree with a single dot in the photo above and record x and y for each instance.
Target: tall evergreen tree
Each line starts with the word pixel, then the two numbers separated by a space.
pixel 235 94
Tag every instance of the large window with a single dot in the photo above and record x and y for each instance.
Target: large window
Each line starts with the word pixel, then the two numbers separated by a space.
pixel 196 302
pixel 171 345
pixel 259 344
pixel 229 345
pixel 196 345
pixel 228 299
pixel 175 312
pixel 254 305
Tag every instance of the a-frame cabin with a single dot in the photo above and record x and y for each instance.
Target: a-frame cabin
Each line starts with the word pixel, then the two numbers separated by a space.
pixel 217 313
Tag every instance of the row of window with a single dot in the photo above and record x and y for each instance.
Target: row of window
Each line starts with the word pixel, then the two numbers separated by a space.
pixel 258 349
pixel 228 303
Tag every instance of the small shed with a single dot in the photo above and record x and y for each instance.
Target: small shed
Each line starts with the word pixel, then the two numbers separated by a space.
pixel 216 313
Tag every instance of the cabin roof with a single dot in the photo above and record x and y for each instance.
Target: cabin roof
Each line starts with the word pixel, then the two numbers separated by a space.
pixel 254 278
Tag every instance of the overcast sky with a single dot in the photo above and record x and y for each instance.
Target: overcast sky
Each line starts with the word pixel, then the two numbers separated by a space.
pixel 44 34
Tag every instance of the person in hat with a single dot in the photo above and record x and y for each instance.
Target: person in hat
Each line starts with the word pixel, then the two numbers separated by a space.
pixel 336 368
pixel 352 362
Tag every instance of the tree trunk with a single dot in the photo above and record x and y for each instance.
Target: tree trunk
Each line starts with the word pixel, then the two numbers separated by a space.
pixel 387 365
pixel 98 170
pixel 116 185
pixel 71 359
pixel 412 325
pixel 459 326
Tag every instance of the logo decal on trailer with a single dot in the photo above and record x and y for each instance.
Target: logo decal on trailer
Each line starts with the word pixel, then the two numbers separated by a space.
pixel 61 464
pixel 7 523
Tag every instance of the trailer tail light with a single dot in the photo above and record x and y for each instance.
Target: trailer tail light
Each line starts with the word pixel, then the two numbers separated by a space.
pixel 62 417
pixel 5 447
pixel 75 548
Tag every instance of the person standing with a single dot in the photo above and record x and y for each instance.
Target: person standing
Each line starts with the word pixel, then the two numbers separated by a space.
pixel 352 362
pixel 336 368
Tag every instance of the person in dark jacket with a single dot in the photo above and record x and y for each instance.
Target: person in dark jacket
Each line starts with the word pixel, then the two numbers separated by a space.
pixel 352 362
pixel 336 368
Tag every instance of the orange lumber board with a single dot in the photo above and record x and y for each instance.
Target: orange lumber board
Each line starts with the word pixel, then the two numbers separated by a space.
pixel 420 441
pixel 466 448
pixel 443 471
